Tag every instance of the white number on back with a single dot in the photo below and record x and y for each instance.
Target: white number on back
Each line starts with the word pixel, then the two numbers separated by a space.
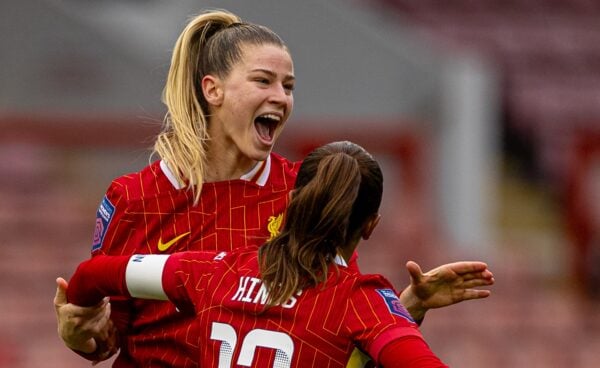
pixel 279 341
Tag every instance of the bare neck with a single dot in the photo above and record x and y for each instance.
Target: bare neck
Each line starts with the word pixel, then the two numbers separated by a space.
pixel 348 251
pixel 225 163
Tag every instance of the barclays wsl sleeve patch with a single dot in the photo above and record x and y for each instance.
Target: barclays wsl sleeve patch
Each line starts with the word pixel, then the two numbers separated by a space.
pixel 393 303
pixel 103 217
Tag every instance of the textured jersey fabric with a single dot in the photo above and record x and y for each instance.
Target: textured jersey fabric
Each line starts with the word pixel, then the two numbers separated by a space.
pixel 225 293
pixel 145 213
pixel 317 327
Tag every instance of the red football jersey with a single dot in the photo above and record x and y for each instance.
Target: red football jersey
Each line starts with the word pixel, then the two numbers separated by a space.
pixel 147 213
pixel 317 327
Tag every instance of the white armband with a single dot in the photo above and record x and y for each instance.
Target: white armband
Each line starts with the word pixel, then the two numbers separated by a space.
pixel 144 276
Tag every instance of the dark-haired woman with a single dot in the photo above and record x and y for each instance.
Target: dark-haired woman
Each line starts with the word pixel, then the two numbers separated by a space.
pixel 293 302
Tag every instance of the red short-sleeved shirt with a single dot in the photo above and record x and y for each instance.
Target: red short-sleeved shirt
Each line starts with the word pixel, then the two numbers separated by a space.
pixel 147 213
pixel 318 327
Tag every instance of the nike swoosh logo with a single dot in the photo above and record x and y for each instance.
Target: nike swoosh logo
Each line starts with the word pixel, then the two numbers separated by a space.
pixel 164 246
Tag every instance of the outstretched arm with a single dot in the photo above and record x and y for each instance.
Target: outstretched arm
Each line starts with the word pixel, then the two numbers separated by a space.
pixel 86 330
pixel 444 285
pixel 97 278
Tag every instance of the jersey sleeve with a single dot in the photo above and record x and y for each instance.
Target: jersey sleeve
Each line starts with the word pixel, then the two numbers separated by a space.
pixel 409 351
pixel 110 235
pixel 107 231
pixel 376 317
pixel 183 276
pixel 96 278
pixel 146 276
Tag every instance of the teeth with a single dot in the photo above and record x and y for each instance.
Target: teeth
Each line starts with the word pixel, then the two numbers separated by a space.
pixel 271 116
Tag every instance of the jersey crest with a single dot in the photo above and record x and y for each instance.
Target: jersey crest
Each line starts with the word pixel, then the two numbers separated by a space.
pixel 274 225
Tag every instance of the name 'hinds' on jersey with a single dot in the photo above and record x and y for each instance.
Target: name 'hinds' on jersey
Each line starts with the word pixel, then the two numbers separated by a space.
pixel 253 290
pixel 319 325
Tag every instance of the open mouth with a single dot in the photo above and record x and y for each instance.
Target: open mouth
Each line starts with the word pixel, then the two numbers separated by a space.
pixel 266 125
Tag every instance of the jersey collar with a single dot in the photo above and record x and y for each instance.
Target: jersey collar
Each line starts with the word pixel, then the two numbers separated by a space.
pixel 169 174
pixel 258 174
pixel 340 261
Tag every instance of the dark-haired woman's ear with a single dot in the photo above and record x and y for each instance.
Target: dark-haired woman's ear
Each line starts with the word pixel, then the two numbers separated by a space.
pixel 370 226
pixel 211 88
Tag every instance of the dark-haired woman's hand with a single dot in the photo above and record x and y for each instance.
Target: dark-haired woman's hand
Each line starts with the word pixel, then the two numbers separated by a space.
pixel 444 285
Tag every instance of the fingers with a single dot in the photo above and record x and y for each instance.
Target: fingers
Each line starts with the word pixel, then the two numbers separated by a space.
pixel 102 323
pixel 101 304
pixel 87 321
pixel 92 322
pixel 414 270
pixel 60 298
pixel 88 313
pixel 487 277
pixel 473 274
pixel 62 283
pixel 96 319
pixel 475 283
pixel 464 267
pixel 107 346
pixel 471 294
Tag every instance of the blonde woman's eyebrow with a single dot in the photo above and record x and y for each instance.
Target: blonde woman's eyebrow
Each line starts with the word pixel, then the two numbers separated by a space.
pixel 288 77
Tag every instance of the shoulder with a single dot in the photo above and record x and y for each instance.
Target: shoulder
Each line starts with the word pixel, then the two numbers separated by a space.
pixel 375 285
pixel 240 256
pixel 134 182
pixel 372 281
pixel 350 282
pixel 148 182
pixel 281 161
pixel 231 263
pixel 283 171
pixel 380 294
pixel 351 279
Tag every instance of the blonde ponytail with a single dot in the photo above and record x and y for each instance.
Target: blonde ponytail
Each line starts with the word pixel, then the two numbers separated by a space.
pixel 211 43
pixel 182 142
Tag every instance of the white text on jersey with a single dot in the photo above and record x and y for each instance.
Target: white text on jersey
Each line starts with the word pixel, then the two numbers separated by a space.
pixel 246 292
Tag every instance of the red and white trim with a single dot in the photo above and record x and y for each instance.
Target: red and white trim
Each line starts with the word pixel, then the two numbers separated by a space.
pixel 258 175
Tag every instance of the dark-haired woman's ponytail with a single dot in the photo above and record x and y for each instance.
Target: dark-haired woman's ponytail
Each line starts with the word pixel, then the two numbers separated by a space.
pixel 317 225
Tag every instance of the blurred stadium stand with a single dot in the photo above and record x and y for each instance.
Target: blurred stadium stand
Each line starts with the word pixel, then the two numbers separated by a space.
pixel 548 53
pixel 510 165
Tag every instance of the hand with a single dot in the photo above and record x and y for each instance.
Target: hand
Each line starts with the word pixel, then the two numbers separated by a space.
pixel 445 285
pixel 85 329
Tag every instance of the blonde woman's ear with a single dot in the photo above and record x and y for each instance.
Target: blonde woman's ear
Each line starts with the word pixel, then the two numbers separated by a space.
pixel 211 88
